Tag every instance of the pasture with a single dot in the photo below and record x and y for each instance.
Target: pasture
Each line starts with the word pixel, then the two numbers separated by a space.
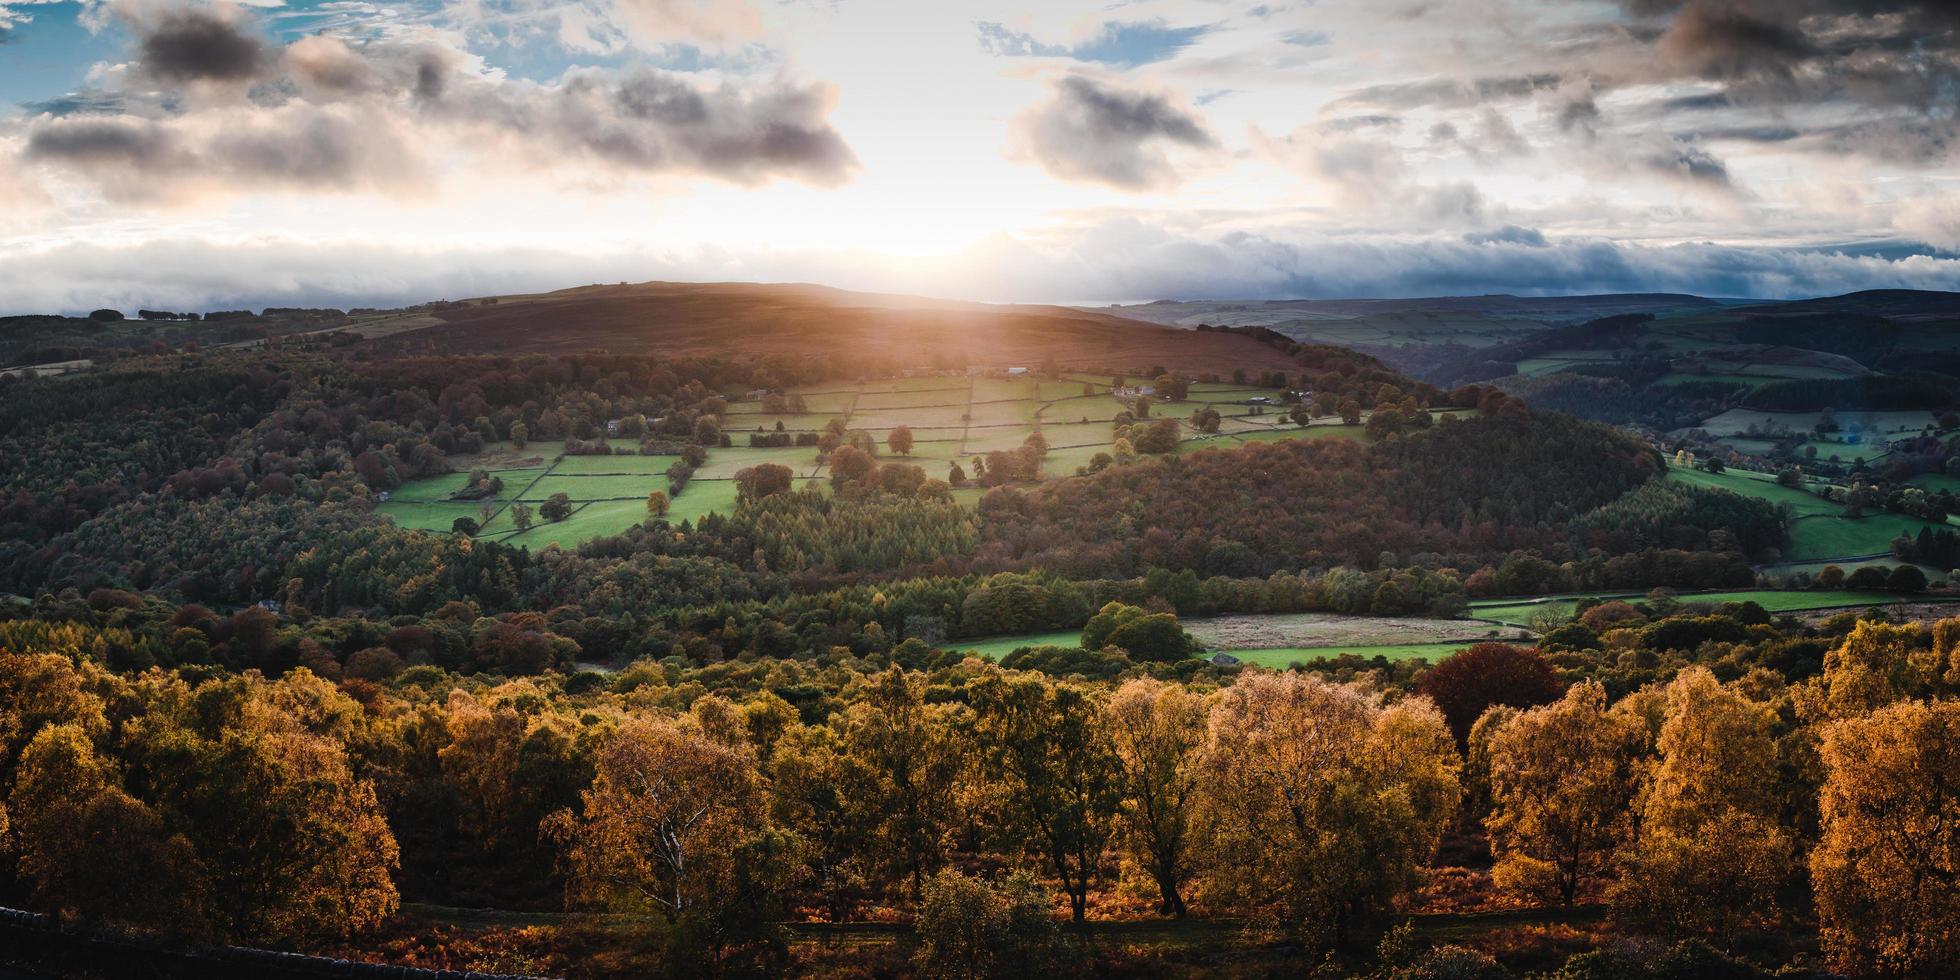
pixel 1817 531
pixel 1517 612
pixel 953 420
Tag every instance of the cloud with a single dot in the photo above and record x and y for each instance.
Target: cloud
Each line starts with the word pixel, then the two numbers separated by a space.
pixel 197 44
pixel 237 149
pixel 1119 261
pixel 1098 131
pixel 331 117
pixel 1118 44
pixel 653 23
pixel 1508 235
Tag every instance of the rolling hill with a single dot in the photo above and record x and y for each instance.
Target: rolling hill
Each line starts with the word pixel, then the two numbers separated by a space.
pixel 813 321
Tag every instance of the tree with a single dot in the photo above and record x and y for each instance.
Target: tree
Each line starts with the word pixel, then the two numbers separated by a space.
pixel 1157 731
pixel 292 844
pixel 1469 681
pixel 1039 741
pixel 899 440
pixel 1886 868
pixel 463 525
pixel 520 435
pixel 1710 855
pixel 90 850
pixel 1161 436
pixel 850 464
pixel 658 504
pixel 707 431
pixel 912 759
pixel 1350 410
pixel 1562 779
pixel 970 930
pixel 556 507
pixel 667 814
pixel 764 480
pixel 1301 414
pixel 520 515
pixel 1206 419
pixel 1321 804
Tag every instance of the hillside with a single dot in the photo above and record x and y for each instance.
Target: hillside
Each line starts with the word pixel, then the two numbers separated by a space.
pixel 813 321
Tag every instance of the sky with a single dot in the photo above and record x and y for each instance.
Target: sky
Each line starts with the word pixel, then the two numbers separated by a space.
pixel 181 154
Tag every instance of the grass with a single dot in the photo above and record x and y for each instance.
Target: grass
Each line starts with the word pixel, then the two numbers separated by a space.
pixel 701 498
pixel 873 401
pixel 596 519
pixel 426 516
pixel 1819 537
pixel 1519 613
pixel 595 487
pixel 1758 485
pixel 645 465
pixel 1935 482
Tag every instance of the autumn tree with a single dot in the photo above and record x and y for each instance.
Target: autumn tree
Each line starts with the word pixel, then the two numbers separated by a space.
pixel 663 821
pixel 1321 804
pixel 764 480
pixel 89 850
pixel 1040 743
pixel 520 435
pixel 899 440
pixel 850 464
pixel 971 929
pixel 912 760
pixel 657 504
pixel 292 845
pixel 520 515
pixel 1561 781
pixel 1157 731
pixel 1468 682
pixel 1710 855
pixel 1886 869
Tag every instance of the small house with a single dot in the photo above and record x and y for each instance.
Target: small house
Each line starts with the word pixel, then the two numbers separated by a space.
pixel 1015 372
pixel 382 496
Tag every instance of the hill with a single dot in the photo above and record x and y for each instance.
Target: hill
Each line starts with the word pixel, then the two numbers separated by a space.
pixel 797 320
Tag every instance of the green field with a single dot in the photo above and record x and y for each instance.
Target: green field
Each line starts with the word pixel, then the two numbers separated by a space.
pixel 1516 613
pixel 1762 486
pixel 953 419
pixel 648 465
pixel 1935 482
pixel 701 498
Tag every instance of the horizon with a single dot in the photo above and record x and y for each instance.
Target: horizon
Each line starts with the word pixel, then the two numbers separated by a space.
pixel 182 153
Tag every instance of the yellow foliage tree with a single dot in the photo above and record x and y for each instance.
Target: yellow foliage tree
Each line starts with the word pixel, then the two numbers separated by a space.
pixel 1886 869
pixel 1561 781
pixel 1321 804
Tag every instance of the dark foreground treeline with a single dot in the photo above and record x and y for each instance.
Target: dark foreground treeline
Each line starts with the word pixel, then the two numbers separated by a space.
pixel 1704 773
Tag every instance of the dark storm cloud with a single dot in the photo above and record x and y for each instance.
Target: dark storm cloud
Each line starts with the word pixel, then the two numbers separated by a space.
pixel 1097 131
pixel 195 44
pixel 1879 52
pixel 1722 41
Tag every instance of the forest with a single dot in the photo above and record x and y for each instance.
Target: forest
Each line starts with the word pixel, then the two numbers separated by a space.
pixel 240 704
